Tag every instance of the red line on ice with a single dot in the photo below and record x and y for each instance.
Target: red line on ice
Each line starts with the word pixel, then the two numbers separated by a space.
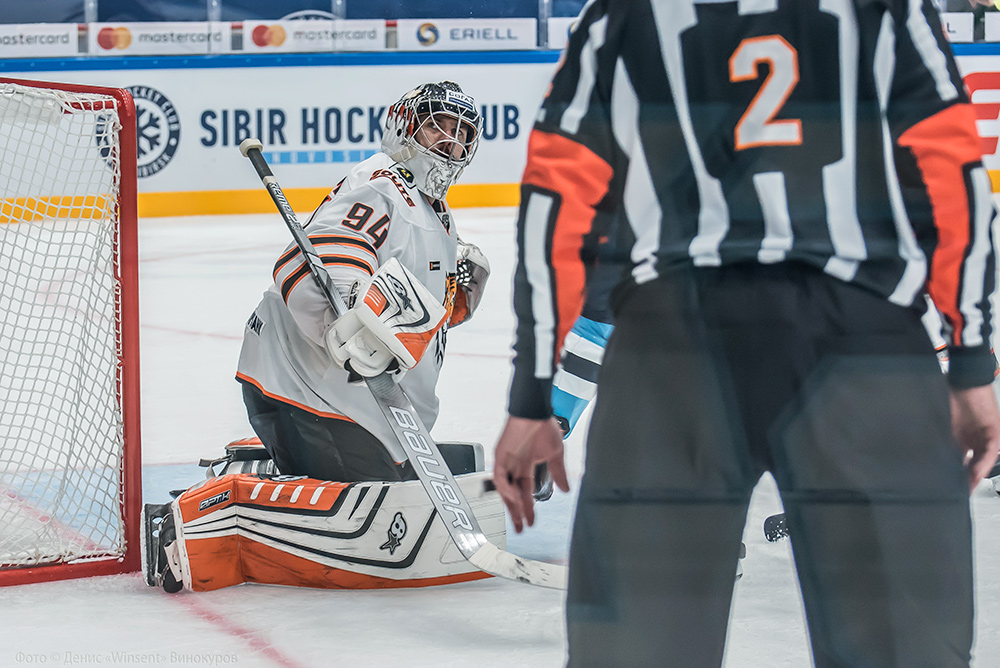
pixel 250 636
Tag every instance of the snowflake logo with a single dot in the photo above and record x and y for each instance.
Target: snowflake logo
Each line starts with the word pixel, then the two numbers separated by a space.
pixel 148 132
pixel 158 129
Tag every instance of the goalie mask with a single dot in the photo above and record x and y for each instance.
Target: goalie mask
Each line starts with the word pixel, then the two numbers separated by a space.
pixel 433 131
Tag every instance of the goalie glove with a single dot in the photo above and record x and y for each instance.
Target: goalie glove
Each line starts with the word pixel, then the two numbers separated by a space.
pixel 473 270
pixel 394 320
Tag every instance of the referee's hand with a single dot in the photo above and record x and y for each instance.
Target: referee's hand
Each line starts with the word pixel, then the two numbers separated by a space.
pixel 975 422
pixel 524 443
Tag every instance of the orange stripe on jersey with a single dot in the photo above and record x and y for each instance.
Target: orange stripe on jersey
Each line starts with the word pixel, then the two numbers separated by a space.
pixel 339 239
pixel 324 240
pixel 286 400
pixel 581 177
pixel 293 279
pixel 296 276
pixel 285 258
pixel 942 145
pixel 348 261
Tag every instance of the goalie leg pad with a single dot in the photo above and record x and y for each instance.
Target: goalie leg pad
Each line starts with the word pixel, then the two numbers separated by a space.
pixel 298 531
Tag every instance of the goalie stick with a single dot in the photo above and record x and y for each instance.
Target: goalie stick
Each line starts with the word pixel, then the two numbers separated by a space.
pixel 412 435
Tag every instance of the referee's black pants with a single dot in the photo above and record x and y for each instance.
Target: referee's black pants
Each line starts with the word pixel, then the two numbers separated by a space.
pixel 714 376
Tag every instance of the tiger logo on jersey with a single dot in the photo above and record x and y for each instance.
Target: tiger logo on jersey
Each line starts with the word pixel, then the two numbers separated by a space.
pixel 450 290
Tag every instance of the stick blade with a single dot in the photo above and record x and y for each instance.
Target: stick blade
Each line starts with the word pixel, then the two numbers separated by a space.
pixel 505 565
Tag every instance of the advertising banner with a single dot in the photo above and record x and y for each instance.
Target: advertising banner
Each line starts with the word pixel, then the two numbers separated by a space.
pixel 159 39
pixel 315 123
pixel 39 40
pixel 466 34
pixel 991 26
pixel 957 26
pixel 559 29
pixel 313 35
pixel 982 80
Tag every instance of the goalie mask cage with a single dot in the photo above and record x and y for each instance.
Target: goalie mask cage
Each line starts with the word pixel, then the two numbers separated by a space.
pixel 69 377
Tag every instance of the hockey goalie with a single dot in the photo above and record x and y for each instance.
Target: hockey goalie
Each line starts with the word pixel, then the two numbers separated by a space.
pixel 326 497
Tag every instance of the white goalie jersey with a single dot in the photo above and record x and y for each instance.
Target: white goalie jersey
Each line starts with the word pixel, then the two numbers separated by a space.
pixel 374 214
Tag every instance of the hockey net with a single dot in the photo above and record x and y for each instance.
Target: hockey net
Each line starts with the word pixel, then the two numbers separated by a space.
pixel 69 431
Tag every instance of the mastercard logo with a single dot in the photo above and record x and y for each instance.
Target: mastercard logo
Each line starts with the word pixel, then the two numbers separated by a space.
pixel 268 35
pixel 114 38
pixel 427 34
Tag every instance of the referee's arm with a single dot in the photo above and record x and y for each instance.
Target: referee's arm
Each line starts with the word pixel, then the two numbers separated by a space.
pixel 570 165
pixel 946 190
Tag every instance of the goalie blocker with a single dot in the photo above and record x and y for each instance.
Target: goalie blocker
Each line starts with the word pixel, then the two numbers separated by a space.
pixel 291 530
pixel 394 320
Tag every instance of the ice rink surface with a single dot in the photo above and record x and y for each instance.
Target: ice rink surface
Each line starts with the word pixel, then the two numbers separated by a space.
pixel 200 279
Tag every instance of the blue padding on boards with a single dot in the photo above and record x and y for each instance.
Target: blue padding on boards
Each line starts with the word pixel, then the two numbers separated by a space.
pixel 28 65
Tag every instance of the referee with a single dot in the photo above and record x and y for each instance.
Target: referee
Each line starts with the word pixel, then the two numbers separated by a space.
pixel 797 178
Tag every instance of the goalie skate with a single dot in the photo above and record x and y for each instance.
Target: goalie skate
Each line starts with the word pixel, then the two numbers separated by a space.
pixel 158 535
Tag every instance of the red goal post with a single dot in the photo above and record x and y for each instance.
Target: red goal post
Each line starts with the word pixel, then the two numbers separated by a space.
pixel 70 464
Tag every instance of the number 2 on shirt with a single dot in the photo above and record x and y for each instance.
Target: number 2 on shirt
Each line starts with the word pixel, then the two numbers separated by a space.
pixel 757 126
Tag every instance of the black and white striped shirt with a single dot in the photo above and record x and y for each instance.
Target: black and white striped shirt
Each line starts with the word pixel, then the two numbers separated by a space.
pixel 831 132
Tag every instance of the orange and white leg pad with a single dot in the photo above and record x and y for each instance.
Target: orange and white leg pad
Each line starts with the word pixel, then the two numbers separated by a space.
pixel 290 530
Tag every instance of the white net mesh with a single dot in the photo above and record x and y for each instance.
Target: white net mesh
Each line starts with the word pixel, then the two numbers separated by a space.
pixel 61 430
